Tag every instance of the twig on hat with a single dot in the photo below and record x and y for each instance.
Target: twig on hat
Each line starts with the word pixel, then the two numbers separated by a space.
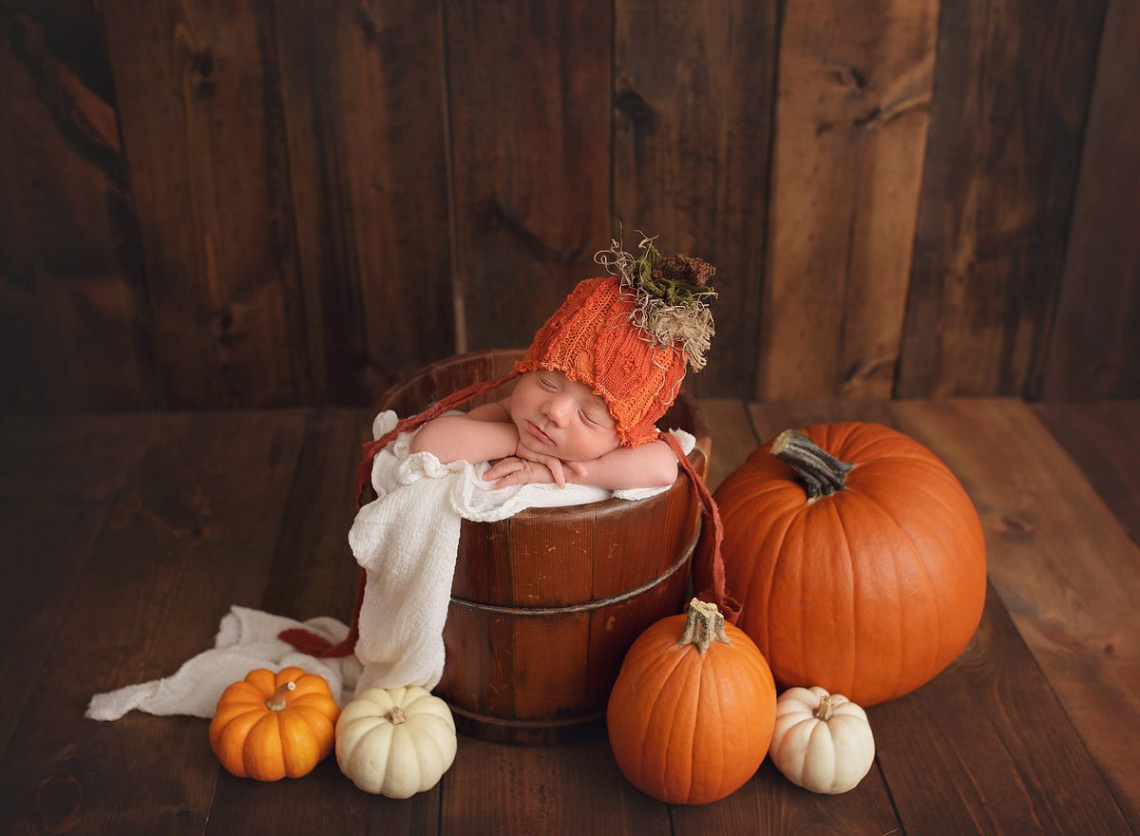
pixel 672 296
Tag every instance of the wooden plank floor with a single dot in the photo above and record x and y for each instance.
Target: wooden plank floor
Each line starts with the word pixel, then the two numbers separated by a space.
pixel 126 539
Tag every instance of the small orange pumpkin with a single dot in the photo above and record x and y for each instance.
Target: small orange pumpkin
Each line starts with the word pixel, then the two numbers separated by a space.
pixel 271 726
pixel 691 715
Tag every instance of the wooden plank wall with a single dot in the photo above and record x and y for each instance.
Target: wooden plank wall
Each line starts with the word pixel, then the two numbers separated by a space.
pixel 272 202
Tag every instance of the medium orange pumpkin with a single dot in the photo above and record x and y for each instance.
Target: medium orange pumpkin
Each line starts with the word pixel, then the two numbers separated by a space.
pixel 269 726
pixel 691 715
pixel 857 556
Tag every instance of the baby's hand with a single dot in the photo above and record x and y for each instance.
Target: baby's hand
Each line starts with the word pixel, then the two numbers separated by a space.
pixel 516 470
pixel 551 464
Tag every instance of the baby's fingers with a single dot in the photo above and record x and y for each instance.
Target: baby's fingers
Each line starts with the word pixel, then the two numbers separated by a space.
pixel 551 463
pixel 555 467
pixel 501 468
pixel 519 477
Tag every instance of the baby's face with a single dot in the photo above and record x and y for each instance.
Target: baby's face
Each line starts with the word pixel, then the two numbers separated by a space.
pixel 557 416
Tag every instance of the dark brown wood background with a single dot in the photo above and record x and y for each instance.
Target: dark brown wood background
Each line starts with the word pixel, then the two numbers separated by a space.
pixel 273 202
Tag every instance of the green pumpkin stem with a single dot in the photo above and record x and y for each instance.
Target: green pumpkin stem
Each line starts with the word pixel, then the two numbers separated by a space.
pixel 820 473
pixel 277 701
pixel 704 625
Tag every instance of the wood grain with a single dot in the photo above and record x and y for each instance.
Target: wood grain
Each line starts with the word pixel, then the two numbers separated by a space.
pixel 363 95
pixel 314 572
pixel 982 724
pixel 190 534
pixel 1101 439
pixel 60 481
pixel 575 788
pixel 732 437
pixel 771 804
pixel 275 203
pixel 324 801
pixel 1096 339
pixel 851 127
pixel 1013 82
pixel 693 86
pixel 203 124
pixel 530 137
pixel 1061 562
pixel 772 419
pixel 74 322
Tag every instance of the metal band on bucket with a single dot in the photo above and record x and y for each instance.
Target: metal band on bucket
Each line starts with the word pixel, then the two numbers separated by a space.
pixel 584 607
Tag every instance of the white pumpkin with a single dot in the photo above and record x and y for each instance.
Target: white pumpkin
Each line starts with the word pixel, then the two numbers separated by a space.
pixel 395 742
pixel 822 742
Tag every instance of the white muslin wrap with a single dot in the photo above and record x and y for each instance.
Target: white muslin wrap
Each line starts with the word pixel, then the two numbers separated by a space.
pixel 246 640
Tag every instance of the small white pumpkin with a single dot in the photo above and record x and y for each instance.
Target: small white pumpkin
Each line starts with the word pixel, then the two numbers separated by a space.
pixel 395 742
pixel 822 742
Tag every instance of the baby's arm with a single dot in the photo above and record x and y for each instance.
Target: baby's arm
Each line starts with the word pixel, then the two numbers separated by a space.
pixel 651 465
pixel 483 434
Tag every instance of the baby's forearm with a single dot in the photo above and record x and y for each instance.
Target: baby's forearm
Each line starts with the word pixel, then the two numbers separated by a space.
pixel 453 438
pixel 651 465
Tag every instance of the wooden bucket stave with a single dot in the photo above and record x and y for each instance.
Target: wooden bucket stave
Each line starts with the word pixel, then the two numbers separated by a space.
pixel 545 604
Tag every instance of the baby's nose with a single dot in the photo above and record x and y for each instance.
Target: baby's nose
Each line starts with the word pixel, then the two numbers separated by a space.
pixel 558 408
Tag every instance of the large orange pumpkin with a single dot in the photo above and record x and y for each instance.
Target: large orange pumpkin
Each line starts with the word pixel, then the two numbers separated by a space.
pixel 271 726
pixel 691 715
pixel 857 557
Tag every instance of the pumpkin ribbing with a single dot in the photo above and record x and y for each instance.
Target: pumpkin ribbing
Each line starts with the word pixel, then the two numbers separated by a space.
pixel 269 726
pixel 395 742
pixel 822 741
pixel 689 725
pixel 868 590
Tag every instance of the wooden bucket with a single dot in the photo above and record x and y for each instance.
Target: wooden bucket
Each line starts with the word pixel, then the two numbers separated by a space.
pixel 545 604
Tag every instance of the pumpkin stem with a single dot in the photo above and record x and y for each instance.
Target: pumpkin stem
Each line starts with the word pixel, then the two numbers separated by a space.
pixel 277 701
pixel 820 472
pixel 704 625
pixel 396 716
pixel 825 708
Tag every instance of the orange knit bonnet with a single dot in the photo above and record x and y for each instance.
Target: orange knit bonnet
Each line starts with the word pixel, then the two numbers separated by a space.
pixel 627 343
